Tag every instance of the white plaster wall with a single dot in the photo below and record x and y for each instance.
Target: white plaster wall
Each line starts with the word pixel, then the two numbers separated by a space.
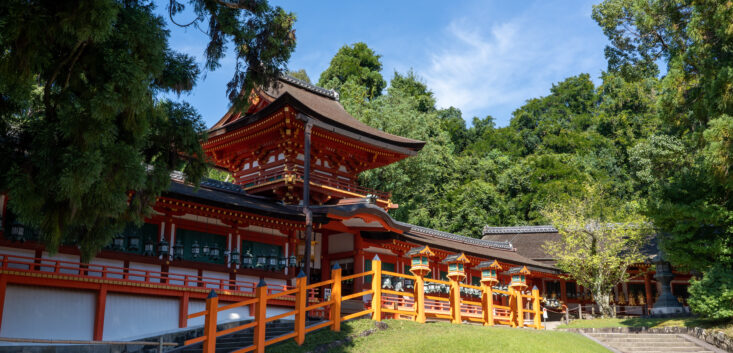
pixel 217 275
pixel 341 242
pixel 140 275
pixel 34 312
pixel 133 316
pixel 17 252
pixel 96 271
pixel 236 314
pixel 183 271
pixel 69 268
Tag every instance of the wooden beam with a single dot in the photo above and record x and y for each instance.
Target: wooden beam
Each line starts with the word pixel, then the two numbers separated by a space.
pixel 99 313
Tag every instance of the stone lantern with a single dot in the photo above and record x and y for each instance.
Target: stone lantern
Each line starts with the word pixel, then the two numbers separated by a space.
pixel 420 259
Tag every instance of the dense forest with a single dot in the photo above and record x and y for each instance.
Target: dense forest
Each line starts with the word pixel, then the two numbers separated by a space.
pixel 656 136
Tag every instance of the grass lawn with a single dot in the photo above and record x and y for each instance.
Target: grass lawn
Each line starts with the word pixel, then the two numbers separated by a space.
pixel 406 336
pixel 726 327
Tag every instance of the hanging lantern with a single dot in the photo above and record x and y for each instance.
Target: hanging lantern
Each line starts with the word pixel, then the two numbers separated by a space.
pixel 519 277
pixel 118 243
pixel 195 249
pixel 214 252
pixel 272 261
pixel 205 249
pixel 178 249
pixel 282 262
pixel 261 261
pixel 293 261
pixel 455 264
pixel 420 257
pixel 149 249
pixel 133 240
pixel 248 259
pixel 163 248
pixel 17 231
pixel 234 256
pixel 489 272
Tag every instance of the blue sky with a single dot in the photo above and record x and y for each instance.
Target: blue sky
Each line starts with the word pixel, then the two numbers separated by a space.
pixel 483 57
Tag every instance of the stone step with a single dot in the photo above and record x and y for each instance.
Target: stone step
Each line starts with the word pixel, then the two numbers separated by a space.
pixel 648 342
pixel 653 344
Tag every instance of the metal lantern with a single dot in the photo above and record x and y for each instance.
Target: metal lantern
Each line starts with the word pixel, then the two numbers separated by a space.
pixel 178 249
pixel 248 260
pixel 272 261
pixel 163 248
pixel 261 261
pixel 293 260
pixel 214 252
pixel 133 241
pixel 205 250
pixel 118 243
pixel 195 249
pixel 234 255
pixel 282 262
pixel 149 249
pixel 17 232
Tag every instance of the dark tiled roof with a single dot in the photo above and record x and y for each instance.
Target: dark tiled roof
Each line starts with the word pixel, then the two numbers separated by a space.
pixel 513 270
pixel 530 245
pixel 460 238
pixel 519 229
pixel 453 258
pixel 415 251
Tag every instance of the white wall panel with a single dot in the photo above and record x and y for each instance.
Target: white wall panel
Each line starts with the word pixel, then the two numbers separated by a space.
pixel 64 267
pixel 33 312
pixel 211 276
pixel 17 252
pixel 341 242
pixel 117 271
pixel 183 271
pixel 134 316
pixel 140 275
pixel 236 314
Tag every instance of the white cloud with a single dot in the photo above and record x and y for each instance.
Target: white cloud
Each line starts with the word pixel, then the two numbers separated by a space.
pixel 492 68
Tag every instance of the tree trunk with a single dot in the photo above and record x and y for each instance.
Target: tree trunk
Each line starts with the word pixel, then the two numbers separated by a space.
pixel 604 304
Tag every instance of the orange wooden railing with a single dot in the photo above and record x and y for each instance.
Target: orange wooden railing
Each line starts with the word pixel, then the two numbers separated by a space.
pixel 416 306
pixel 79 270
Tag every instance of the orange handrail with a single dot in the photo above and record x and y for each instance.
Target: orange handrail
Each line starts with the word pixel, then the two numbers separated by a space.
pixel 409 304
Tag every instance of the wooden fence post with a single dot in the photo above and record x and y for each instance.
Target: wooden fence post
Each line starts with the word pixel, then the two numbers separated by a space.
pixel 536 308
pixel 301 300
pixel 512 307
pixel 487 305
pixel 212 306
pixel 419 299
pixel 336 298
pixel 520 309
pixel 260 316
pixel 377 288
pixel 455 302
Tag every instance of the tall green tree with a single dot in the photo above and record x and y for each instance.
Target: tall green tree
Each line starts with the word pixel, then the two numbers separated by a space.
pixel 691 199
pixel 87 145
pixel 359 65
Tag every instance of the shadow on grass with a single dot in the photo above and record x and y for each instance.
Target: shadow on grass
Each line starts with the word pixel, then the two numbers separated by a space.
pixel 325 336
pixel 662 322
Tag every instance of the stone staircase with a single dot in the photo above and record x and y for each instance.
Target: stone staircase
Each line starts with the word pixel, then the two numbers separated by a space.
pixel 649 343
pixel 244 338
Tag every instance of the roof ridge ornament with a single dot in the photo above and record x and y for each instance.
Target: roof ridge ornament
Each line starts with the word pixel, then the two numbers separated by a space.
pixel 328 93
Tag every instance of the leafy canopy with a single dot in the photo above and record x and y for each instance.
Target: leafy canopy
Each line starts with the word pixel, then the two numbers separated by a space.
pixel 87 146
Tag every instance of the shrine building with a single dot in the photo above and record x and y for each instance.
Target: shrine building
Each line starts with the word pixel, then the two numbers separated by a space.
pixel 230 236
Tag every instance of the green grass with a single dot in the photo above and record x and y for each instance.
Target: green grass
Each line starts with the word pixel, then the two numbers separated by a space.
pixel 726 327
pixel 406 336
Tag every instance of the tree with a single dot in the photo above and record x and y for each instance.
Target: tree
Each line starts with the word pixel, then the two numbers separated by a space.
pixel 300 74
pixel 87 145
pixel 599 242
pixel 690 202
pixel 360 65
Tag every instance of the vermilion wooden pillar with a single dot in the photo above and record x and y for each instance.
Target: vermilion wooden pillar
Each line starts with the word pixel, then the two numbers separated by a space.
pixel 563 291
pixel 648 290
pixel 3 287
pixel 99 314
pixel 183 310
